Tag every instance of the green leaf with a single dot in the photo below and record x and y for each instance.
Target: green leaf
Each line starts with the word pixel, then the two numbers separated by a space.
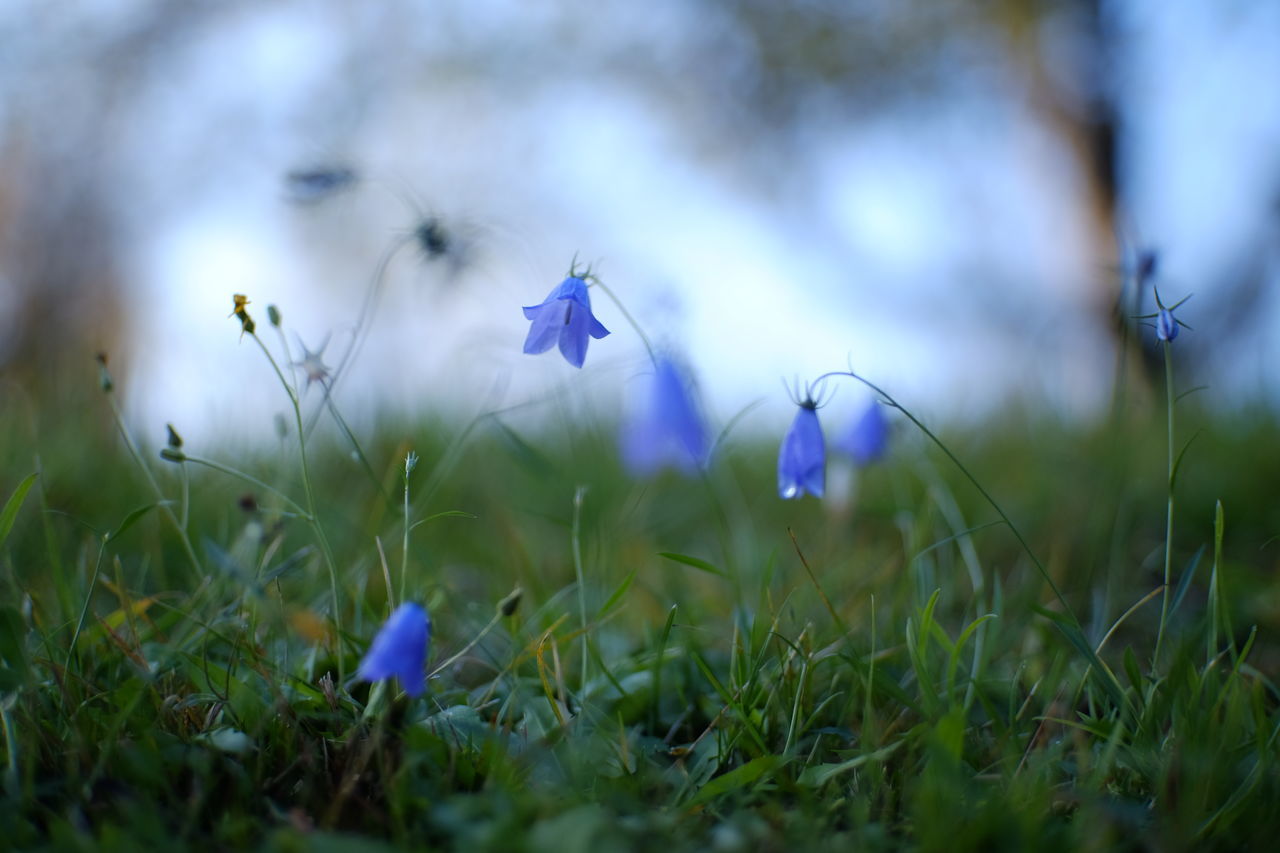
pixel 1177 463
pixel 617 594
pixel 953 664
pixel 1131 669
pixel 739 777
pixel 694 562
pixel 820 774
pixel 129 521
pixel 287 565
pixel 1071 630
pixel 1186 581
pixel 223 559
pixel 449 513
pixel 11 506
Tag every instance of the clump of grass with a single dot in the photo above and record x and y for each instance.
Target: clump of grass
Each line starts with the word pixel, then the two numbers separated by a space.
pixel 851 687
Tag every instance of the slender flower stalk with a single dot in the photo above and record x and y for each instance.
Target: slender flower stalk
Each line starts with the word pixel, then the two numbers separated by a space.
pixel 626 315
pixel 1017 534
pixel 1168 519
pixel 578 496
pixel 312 517
pixel 183 457
pixel 108 386
pixel 1166 331
pixel 410 462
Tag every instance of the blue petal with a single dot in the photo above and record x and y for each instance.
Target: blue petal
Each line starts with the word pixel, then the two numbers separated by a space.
pixel 578 293
pixel 674 406
pixel 667 429
pixel 572 287
pixel 869 438
pixel 573 332
pixel 400 649
pixel 548 321
pixel 1166 325
pixel 802 457
pixel 564 317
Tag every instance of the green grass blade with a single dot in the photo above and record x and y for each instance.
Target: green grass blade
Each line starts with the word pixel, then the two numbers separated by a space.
pixel 693 562
pixel 10 512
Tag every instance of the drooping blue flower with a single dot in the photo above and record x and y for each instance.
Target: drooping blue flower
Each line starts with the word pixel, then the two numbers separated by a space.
pixel 564 317
pixel 802 457
pixel 667 427
pixel 400 649
pixel 869 438
pixel 1166 325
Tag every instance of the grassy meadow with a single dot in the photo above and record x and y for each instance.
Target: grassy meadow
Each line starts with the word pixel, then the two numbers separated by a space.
pixel 664 663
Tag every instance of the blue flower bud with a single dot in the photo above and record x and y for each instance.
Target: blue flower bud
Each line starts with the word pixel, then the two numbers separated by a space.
pixel 667 428
pixel 869 438
pixel 802 457
pixel 1166 325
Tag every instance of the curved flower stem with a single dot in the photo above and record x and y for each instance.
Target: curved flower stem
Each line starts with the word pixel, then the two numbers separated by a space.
pixel 410 462
pixel 355 445
pixel 644 339
pixel 1168 522
pixel 186 496
pixel 288 356
pixel 889 400
pixel 362 319
pixel 248 478
pixel 468 647
pixel 316 526
pixel 578 497
pixel 163 503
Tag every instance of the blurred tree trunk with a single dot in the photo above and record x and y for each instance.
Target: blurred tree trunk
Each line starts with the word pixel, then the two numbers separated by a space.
pixel 64 297
pixel 1085 120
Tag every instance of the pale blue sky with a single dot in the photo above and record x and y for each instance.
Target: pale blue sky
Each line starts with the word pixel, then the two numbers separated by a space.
pixel 937 240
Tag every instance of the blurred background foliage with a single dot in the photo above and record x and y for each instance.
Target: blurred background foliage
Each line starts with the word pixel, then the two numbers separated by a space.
pixel 141 142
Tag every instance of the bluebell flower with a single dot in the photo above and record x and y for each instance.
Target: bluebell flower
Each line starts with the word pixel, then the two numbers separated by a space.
pixel 400 649
pixel 1166 325
pixel 869 438
pixel 802 457
pixel 667 428
pixel 564 317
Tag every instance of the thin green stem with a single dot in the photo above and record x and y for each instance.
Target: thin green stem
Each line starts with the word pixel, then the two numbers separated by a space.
pixel 577 570
pixel 410 461
pixel 248 478
pixel 312 517
pixel 11 749
pixel 1017 534
pixel 155 487
pixel 367 307
pixel 497 616
pixel 88 597
pixel 355 445
pixel 644 339
pixel 288 356
pixel 186 496
pixel 1168 521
